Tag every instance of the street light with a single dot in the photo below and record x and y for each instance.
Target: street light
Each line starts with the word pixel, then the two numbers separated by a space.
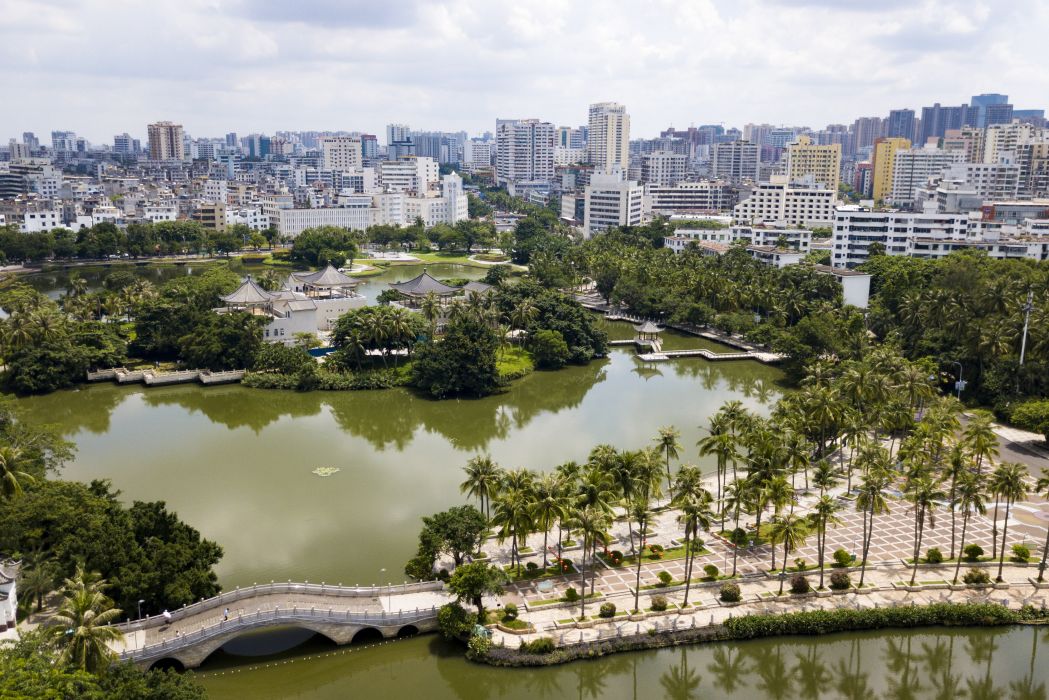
pixel 140 608
pixel 389 595
pixel 960 384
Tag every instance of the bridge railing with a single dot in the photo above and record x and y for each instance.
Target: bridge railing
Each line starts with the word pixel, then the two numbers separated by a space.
pixel 237 594
pixel 261 618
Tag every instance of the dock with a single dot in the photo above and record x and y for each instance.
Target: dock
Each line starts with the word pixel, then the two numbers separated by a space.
pixel 149 377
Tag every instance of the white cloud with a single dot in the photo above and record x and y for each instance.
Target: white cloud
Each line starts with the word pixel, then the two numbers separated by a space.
pixel 106 66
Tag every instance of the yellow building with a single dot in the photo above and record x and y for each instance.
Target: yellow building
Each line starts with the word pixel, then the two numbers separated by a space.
pixel 882 161
pixel 823 163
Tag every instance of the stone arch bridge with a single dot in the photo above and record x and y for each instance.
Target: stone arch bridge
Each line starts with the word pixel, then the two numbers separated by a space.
pixel 191 634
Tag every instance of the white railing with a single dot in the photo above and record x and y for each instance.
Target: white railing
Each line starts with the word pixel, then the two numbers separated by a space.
pixel 237 594
pixel 264 618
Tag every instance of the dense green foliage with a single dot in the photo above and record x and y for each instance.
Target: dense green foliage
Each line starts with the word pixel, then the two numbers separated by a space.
pixel 462 363
pixel 387 330
pixel 455 532
pixel 455 621
pixel 471 582
pixel 325 245
pixel 28 669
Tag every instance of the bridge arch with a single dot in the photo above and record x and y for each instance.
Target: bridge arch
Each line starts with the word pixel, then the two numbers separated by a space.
pixel 168 663
pixel 366 635
pixel 407 631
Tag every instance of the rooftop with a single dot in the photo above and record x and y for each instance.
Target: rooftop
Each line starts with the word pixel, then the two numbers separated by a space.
pixel 422 285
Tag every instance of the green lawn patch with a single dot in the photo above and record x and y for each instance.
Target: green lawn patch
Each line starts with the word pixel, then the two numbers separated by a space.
pixel 513 363
pixel 538 573
pixel 556 601
pixel 681 582
pixel 488 257
pixel 670 554
pixel 670 606
pixel 933 582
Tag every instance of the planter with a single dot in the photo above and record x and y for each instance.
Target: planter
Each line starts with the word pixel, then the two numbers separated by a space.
pixel 1001 586
pixel 636 618
pixel 1041 586
pixel 729 605
pixel 528 630
pixel 797 596
pixel 959 586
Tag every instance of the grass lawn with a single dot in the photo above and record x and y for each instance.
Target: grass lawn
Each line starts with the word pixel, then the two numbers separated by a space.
pixel 488 257
pixel 497 616
pixel 681 582
pixel 537 573
pixel 647 556
pixel 670 606
pixel 953 560
pixel 555 601
pixel 762 538
pixel 933 582
pixel 513 362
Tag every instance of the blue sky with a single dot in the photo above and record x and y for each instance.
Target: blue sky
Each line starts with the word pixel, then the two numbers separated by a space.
pixel 105 66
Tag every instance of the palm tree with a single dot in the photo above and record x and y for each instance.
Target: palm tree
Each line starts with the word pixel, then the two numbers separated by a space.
pixel 591 523
pixel 11 473
pixel 667 441
pixel 969 499
pixel 547 507
pixel 956 469
pixel 482 480
pixel 37 582
pixel 980 438
pixel 823 513
pixel 923 492
pixel 513 517
pixel 81 626
pixel 778 494
pixel 737 497
pixel 431 311
pixel 791 530
pixel 1043 487
pixel 596 490
pixel 721 443
pixel 696 515
pixel 871 501
pixel 1009 482
pixel 640 512
pixel 824 477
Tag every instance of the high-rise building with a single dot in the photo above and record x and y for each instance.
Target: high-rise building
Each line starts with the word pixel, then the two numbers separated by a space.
pixel 735 161
pixel 864 131
pixel 663 168
pixel 30 139
pixel 969 140
pixel 610 200
pixel 882 161
pixel 900 124
pixel 231 139
pixel 912 168
pixel 608 146
pixel 63 141
pixel 341 153
pixel 823 163
pixel 396 133
pixel 524 150
pixel 979 105
pixel 17 150
pixel 369 146
pixel 936 120
pixel 1035 117
pixel 999 114
pixel 166 141
pixel 123 144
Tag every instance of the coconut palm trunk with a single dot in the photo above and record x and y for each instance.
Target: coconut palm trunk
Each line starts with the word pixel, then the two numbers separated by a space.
pixel 1005 533
pixel 961 547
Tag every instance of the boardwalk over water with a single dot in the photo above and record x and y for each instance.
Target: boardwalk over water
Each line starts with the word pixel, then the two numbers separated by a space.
pixel 191 634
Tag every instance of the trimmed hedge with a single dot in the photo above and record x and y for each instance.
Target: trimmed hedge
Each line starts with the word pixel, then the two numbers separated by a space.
pixel 325 380
pixel 845 620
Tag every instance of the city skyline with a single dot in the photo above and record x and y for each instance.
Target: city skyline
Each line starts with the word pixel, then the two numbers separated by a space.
pixel 461 65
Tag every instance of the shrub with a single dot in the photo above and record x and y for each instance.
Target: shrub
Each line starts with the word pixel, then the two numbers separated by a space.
pixel 664 578
pixel 934 556
pixel 1032 415
pixel 841 557
pixel 550 349
pixel 800 564
pixel 659 603
pixel 531 566
pixel 607 610
pixel 616 556
pixel 799 584
pixel 1021 553
pixel 454 621
pixel 696 545
pixel 840 580
pixel 543 645
pixel 566 565
pixel 739 537
pixel 509 612
pixel 976 577
pixel 571 595
pixel 973 552
pixel 478 646
pixel 730 593
pixel 711 571
pixel 657 550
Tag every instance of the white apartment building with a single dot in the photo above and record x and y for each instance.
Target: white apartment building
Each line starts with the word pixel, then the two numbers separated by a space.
pixel 568 156
pixel 912 168
pixel 155 213
pixel 760 236
pixel 856 228
pixel 412 174
pixel 216 190
pixel 252 217
pixel 292 222
pixel 987 180
pixel 663 168
pixel 611 200
pixel 685 197
pixel 477 154
pixel 1003 140
pixel 450 207
pixel 608 144
pixel 794 204
pixel 41 221
pixel 524 151
pixel 341 153
pixel 735 161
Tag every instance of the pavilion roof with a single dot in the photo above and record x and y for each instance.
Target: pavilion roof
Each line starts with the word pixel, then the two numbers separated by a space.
pixel 648 327
pixel 477 287
pixel 423 285
pixel 328 277
pixel 248 293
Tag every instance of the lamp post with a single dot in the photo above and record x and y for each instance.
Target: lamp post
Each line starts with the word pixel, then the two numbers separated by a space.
pixel 1027 308
pixel 389 593
pixel 140 608
pixel 960 384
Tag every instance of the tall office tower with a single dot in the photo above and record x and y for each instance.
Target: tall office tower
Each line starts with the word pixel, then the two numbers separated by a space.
pixel 912 168
pixel 980 103
pixel 369 145
pixel 900 124
pixel 30 139
pixel 341 153
pixel 757 133
pixel 524 150
pixel 883 159
pixel 823 163
pixel 937 120
pixel 999 114
pixel 663 168
pixel 231 139
pixel 397 133
pixel 62 141
pixel 735 161
pixel 609 144
pixel 165 141
pixel 864 131
pixel 123 144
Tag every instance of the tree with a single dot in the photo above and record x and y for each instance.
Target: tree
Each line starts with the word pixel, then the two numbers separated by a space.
pixel 871 502
pixel 81 625
pixel 1009 483
pixel 325 245
pixel 969 499
pixel 640 512
pixel 12 473
pixel 456 531
pixel 667 441
pixel 547 507
pixel 923 492
pixel 791 530
pixel 513 517
pixel 549 349
pixel 462 363
pixel 223 341
pixel 482 481
pixel 823 513
pixel 471 582
pixel 592 524
pixel 696 514
pixel 1042 486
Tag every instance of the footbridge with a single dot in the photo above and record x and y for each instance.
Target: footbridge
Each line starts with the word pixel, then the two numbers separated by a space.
pixel 191 634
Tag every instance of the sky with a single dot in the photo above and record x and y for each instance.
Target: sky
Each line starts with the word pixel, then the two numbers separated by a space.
pixel 100 67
